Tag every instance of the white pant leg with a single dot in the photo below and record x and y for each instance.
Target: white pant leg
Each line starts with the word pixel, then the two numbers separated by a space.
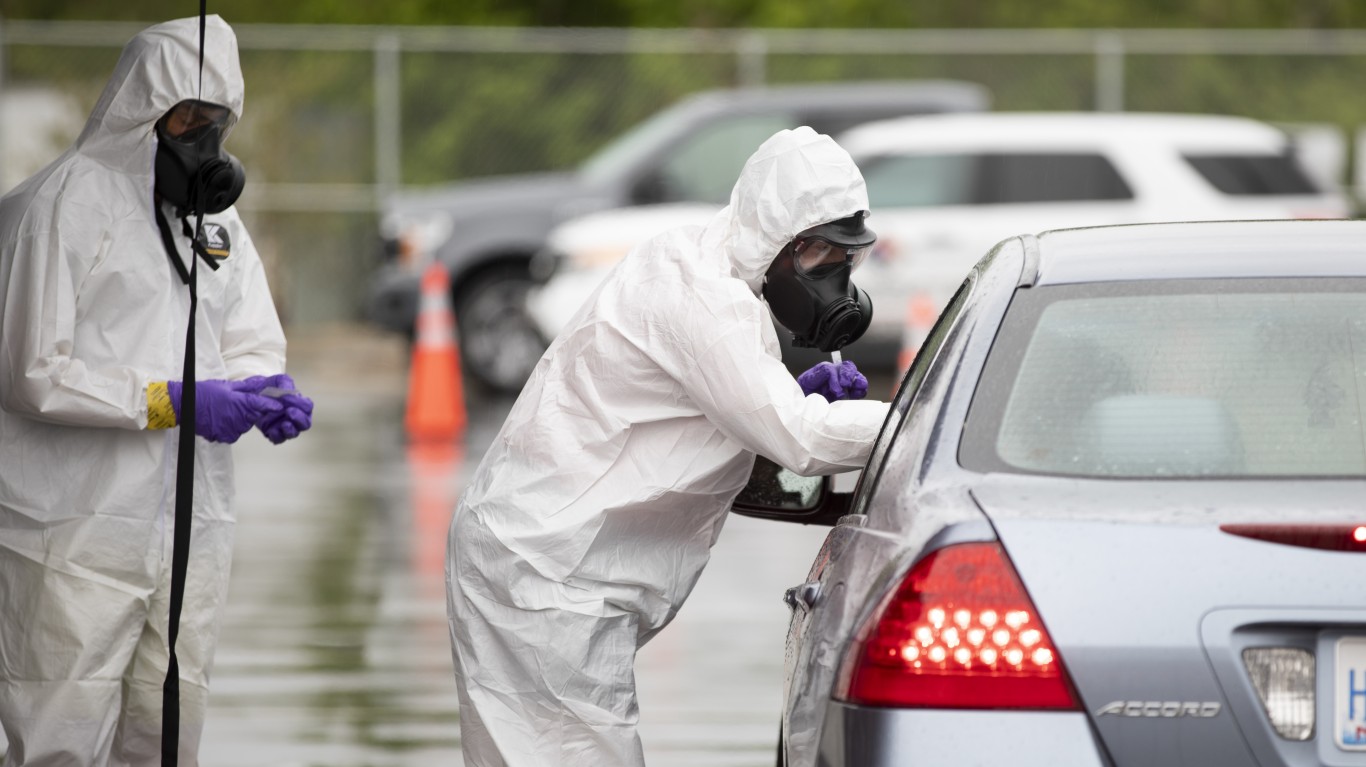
pixel 549 686
pixel 65 644
pixel 138 738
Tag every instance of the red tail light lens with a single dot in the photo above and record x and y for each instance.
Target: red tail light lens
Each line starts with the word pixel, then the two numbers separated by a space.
pixel 959 632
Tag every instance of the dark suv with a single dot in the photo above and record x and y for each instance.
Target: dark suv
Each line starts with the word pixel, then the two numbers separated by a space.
pixel 487 231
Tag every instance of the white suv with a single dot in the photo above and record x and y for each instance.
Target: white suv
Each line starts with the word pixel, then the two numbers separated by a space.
pixel 944 189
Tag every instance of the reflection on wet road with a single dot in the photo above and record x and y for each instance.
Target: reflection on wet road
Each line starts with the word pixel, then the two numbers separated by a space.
pixel 334 646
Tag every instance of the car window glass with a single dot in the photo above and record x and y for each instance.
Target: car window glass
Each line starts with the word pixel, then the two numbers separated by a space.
pixel 919 180
pixel 905 396
pixel 1250 175
pixel 704 167
pixel 1186 378
pixel 631 148
pixel 1051 177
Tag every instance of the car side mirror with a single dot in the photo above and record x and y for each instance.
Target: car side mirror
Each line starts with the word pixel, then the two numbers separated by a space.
pixel 650 188
pixel 778 494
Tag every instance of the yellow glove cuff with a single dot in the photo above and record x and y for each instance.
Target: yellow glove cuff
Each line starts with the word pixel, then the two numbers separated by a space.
pixel 160 414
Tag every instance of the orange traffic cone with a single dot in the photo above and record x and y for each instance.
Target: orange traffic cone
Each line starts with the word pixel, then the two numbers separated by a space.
pixel 921 313
pixel 436 396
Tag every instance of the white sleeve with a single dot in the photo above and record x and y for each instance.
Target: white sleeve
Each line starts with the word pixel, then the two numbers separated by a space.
pixel 751 397
pixel 252 341
pixel 38 376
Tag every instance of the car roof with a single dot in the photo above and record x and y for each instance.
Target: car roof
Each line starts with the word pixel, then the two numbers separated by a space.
pixel 1062 131
pixel 1200 250
pixel 931 95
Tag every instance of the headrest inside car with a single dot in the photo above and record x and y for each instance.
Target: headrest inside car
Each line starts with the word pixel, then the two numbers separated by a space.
pixel 1157 435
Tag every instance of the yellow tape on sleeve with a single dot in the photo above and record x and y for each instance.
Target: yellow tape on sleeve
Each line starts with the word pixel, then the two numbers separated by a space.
pixel 160 414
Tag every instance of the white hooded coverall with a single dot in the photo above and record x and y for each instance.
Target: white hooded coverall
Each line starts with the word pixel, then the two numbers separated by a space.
pixel 595 509
pixel 91 311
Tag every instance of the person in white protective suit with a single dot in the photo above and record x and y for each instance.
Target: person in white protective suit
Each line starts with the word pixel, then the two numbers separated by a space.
pixel 93 321
pixel 594 511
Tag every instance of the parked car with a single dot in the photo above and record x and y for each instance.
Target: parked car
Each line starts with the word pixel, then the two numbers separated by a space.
pixel 944 188
pixel 486 232
pixel 1114 516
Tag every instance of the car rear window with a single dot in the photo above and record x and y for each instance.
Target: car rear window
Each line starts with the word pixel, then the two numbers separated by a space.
pixel 1251 175
pixel 920 180
pixel 704 166
pixel 1187 378
pixel 1070 177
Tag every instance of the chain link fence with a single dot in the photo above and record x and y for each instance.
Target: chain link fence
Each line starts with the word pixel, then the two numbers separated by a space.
pixel 338 117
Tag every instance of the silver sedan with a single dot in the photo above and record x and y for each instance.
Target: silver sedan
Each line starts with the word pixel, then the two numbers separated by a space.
pixel 1117 516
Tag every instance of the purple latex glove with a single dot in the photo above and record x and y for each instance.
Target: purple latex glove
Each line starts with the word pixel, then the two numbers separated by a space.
pixel 225 410
pixel 295 417
pixel 842 381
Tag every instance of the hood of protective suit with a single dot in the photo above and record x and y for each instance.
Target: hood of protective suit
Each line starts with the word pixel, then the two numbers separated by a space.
pixel 797 179
pixel 158 69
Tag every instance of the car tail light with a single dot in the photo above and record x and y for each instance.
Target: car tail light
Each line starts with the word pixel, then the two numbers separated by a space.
pixel 600 256
pixel 417 238
pixel 959 632
pixel 409 251
pixel 1330 537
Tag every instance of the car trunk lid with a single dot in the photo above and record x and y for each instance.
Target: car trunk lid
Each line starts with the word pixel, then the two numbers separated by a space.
pixel 1151 606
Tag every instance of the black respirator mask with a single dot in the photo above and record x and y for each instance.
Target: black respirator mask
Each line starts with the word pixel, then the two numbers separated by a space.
pixel 809 288
pixel 193 172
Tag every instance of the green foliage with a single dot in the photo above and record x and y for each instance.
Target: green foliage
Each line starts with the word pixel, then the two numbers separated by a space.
pixel 480 114
pixel 875 14
pixel 275 12
pixel 1274 88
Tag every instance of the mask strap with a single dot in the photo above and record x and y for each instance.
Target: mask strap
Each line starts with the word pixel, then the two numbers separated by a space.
pixel 184 484
pixel 203 16
pixel 180 546
pixel 168 242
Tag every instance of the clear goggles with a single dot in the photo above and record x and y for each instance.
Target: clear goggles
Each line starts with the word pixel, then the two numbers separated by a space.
pixel 190 118
pixel 815 256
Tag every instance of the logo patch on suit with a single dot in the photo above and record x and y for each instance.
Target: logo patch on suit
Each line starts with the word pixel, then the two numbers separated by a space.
pixel 215 241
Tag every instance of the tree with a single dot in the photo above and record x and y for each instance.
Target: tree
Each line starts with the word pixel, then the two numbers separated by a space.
pixel 816 14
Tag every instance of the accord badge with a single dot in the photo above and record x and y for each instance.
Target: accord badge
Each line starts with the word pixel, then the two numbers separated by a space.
pixel 1169 709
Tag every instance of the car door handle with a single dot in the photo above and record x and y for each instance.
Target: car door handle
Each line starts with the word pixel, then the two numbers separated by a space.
pixel 802 597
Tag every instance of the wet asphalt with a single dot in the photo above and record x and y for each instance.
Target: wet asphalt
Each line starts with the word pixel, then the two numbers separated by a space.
pixel 334 647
